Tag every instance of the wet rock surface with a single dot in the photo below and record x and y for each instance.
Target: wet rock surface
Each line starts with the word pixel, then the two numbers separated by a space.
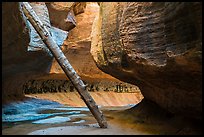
pixel 40 113
pixel 156 46
pixel 52 118
pixel 26 110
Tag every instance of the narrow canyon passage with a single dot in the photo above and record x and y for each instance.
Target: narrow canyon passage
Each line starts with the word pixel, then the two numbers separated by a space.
pixel 109 93
pixel 141 62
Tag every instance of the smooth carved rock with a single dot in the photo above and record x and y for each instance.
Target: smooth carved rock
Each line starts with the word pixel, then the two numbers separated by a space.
pixel 156 46
pixel 77 46
pixel 62 14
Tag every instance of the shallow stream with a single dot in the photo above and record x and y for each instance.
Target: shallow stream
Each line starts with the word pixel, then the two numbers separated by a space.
pixel 38 113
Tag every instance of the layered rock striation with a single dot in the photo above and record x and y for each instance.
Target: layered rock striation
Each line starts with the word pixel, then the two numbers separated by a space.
pixel 155 45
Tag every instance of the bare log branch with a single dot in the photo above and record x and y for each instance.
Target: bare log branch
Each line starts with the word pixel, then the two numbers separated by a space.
pixel 63 62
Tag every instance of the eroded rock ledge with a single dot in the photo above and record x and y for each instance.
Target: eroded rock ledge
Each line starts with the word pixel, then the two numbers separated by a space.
pixel 93 85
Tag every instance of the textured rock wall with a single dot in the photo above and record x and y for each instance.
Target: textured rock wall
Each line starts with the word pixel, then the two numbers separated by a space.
pixel 62 14
pixel 155 45
pixel 77 46
pixel 18 65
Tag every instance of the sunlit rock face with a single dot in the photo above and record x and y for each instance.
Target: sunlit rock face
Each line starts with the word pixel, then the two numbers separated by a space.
pixel 156 46
pixel 18 65
pixel 77 46
pixel 62 14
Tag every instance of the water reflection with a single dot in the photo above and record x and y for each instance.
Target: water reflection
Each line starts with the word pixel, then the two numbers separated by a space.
pixel 39 111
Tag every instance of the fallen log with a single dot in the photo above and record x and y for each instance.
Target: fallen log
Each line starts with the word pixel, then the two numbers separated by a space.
pixel 63 62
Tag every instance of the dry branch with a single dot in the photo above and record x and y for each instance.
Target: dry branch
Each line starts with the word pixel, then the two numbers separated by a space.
pixel 63 62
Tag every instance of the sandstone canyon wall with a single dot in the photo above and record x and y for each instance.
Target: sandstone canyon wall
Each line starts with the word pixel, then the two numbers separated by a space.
pixel 77 46
pixel 18 65
pixel 156 46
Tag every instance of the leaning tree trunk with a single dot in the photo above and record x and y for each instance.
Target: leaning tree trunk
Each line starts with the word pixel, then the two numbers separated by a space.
pixel 63 62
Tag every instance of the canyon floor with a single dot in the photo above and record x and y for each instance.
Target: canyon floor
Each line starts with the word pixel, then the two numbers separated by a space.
pixel 64 113
pixel 87 126
pixel 45 117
